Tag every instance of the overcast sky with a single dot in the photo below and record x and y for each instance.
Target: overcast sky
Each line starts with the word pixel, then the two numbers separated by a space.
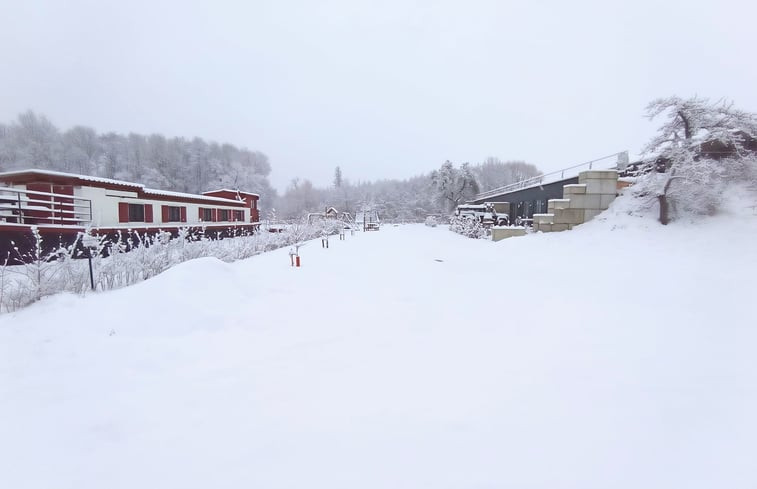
pixel 383 89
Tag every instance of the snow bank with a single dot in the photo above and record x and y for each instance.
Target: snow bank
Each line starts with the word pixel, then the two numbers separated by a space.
pixel 619 354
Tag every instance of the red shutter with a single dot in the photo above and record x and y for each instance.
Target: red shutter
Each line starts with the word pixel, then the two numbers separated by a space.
pixel 123 212
pixel 183 214
pixel 164 211
pixel 215 215
pixel 200 213
pixel 148 212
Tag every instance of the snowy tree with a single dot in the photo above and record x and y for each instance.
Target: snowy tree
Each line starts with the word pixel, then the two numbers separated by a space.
pixel 338 177
pixel 34 142
pixel 81 150
pixel 159 162
pixel 494 173
pixel 454 185
pixel 700 146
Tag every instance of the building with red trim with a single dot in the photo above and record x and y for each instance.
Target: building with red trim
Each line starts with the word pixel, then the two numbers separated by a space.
pixel 65 204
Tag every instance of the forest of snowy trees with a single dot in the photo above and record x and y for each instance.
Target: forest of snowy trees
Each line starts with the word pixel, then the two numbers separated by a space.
pixel 178 164
pixel 435 193
pixel 196 165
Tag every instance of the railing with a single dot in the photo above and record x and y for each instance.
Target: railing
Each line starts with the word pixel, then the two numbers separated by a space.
pixel 34 207
pixel 570 172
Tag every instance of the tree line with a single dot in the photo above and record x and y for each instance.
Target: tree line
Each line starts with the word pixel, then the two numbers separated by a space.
pixel 412 199
pixel 183 165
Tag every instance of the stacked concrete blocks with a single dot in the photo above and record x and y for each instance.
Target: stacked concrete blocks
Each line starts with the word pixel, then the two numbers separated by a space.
pixel 595 191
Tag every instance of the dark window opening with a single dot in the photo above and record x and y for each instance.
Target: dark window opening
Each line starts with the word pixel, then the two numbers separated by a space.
pixel 174 214
pixel 223 215
pixel 136 213
pixel 207 215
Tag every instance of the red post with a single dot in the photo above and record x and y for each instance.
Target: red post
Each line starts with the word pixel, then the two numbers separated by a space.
pixel 297 260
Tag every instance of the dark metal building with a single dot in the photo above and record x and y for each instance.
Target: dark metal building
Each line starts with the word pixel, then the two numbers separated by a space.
pixel 526 202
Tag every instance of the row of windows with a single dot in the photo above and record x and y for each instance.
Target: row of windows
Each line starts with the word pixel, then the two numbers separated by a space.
pixel 213 215
pixel 144 213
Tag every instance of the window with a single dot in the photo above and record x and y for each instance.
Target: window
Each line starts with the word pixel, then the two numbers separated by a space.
pixel 223 214
pixel 206 215
pixel 239 215
pixel 174 213
pixel 136 213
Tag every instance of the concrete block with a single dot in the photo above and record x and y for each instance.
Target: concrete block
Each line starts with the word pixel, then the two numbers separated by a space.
pixel 543 227
pixel 569 191
pixel 586 201
pixel 559 203
pixel 568 216
pixel 499 234
pixel 543 218
pixel 560 227
pixel 597 175
pixel 590 214
pixel 597 186
pixel 606 200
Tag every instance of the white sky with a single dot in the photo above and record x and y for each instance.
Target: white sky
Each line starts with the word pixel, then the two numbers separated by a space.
pixel 384 89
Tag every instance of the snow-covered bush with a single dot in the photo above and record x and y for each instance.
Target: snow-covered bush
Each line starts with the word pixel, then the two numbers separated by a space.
pixel 431 221
pixel 131 258
pixel 467 227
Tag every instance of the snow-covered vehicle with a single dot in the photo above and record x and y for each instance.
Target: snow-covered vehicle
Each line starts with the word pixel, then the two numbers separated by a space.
pixel 488 213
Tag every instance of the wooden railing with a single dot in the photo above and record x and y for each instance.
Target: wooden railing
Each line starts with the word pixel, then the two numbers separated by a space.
pixel 34 207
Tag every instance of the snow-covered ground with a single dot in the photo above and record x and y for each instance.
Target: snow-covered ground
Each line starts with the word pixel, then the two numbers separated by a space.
pixel 620 354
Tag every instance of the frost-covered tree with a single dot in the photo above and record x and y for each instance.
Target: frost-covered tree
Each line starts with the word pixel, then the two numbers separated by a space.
pixel 35 141
pixel 177 164
pixel 494 173
pixel 337 177
pixel 700 146
pixel 81 149
pixel 454 185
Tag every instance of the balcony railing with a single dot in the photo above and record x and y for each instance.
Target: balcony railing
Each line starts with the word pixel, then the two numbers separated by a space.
pixel 34 207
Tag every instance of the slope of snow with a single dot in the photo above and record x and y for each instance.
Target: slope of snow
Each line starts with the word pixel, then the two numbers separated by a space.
pixel 620 354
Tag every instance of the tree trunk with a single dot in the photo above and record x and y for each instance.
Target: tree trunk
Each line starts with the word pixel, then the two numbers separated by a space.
pixel 663 199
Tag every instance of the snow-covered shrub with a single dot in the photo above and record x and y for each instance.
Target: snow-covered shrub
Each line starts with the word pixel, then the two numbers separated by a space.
pixel 431 221
pixel 131 257
pixel 467 227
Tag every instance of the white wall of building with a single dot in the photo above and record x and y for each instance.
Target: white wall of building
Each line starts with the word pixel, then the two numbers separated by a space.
pixel 105 208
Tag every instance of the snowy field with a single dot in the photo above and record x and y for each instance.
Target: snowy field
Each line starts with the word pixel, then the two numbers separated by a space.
pixel 617 355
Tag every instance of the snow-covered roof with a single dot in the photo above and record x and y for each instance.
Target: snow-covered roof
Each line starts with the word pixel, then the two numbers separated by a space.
pixel 52 173
pixel 169 193
pixel 110 181
pixel 230 190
